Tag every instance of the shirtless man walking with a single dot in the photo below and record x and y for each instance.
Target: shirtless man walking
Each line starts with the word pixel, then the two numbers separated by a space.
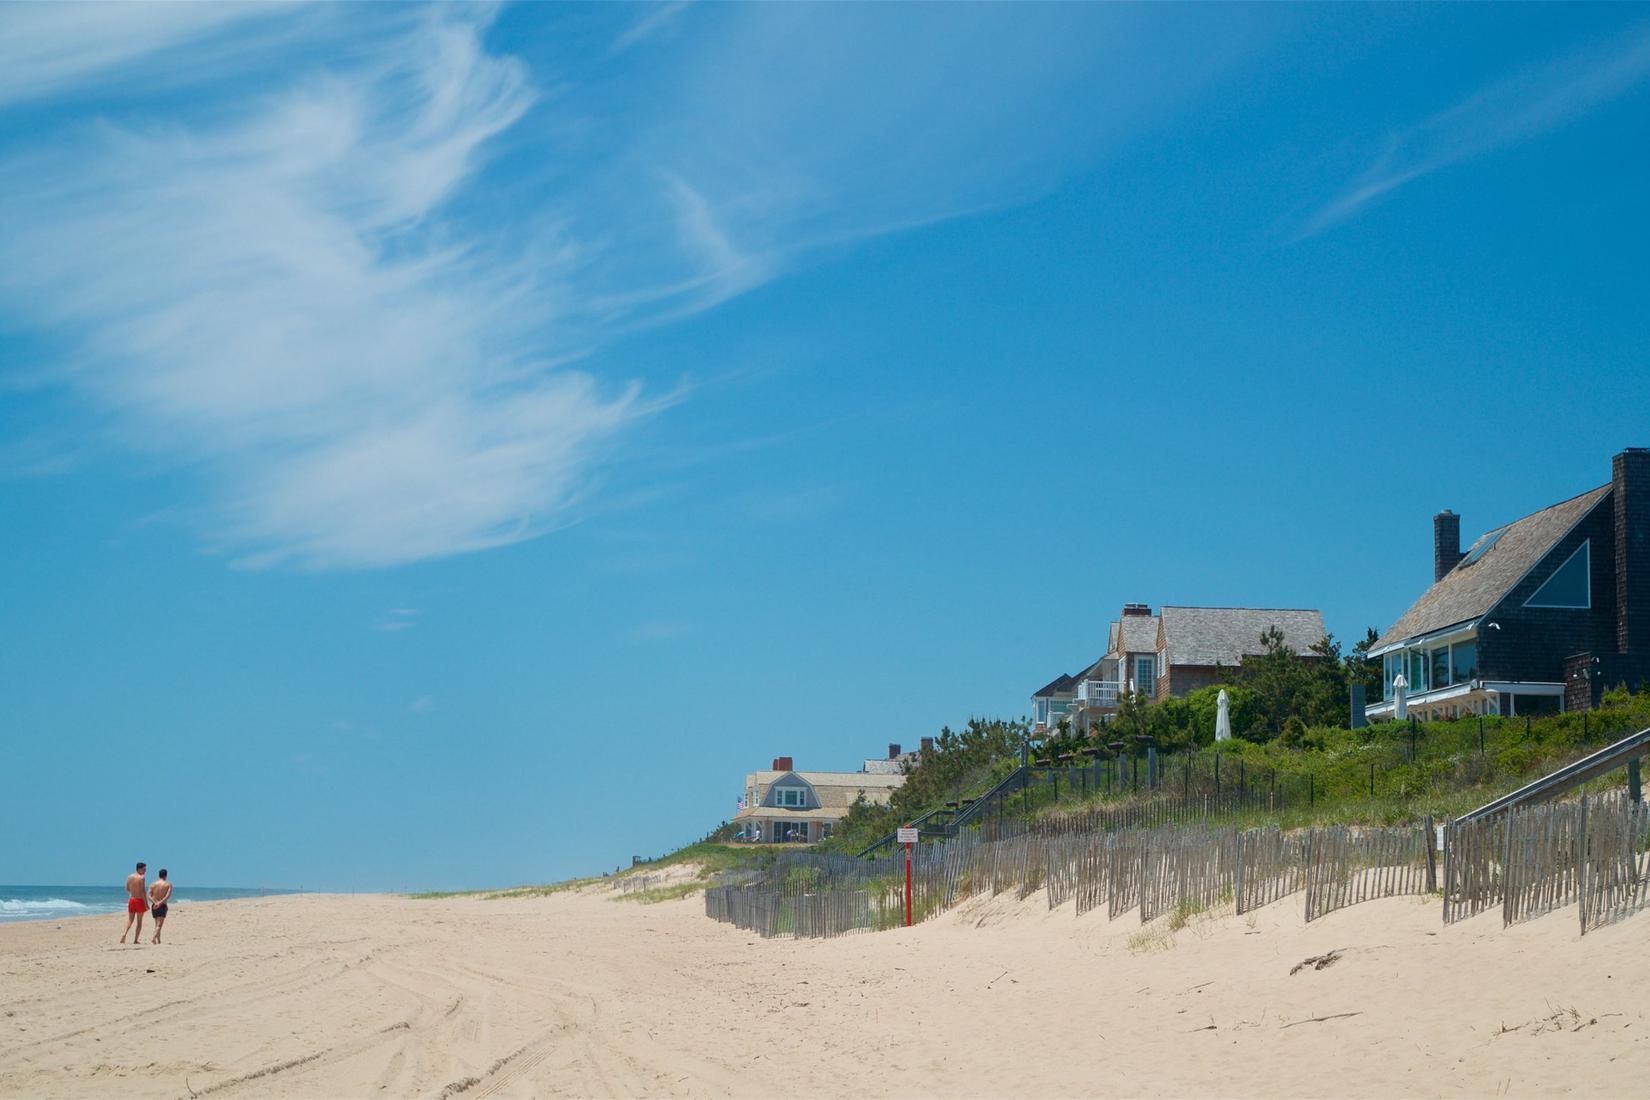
pixel 159 894
pixel 136 904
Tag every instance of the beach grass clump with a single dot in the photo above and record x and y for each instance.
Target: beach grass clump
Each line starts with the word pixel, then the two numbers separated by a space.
pixel 1183 912
pixel 653 895
pixel 712 858
pixel 1151 938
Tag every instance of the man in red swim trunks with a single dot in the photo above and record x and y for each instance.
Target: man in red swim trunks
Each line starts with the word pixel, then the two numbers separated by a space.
pixel 137 902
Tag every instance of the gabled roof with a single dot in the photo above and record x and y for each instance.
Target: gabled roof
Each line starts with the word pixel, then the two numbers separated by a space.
pixel 1058 684
pixel 1471 589
pixel 1133 634
pixel 1225 635
pixel 837 790
pixel 1090 671
pixel 816 780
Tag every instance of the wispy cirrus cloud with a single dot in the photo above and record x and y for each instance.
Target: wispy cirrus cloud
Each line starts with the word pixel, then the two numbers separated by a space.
pixel 46 48
pixel 319 289
pixel 396 619
pixel 658 17
pixel 1527 105
pixel 279 297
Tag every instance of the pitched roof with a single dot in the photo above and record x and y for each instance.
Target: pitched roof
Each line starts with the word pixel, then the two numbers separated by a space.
pixel 1090 671
pixel 1224 635
pixel 849 780
pixel 838 789
pixel 1134 634
pixel 1061 682
pixel 1469 590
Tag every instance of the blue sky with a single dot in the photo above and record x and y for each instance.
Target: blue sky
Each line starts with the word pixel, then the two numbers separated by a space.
pixel 449 447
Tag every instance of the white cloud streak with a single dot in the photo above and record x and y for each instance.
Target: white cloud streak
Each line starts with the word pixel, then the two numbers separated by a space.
pixel 1534 102
pixel 279 297
pixel 316 297
pixel 46 48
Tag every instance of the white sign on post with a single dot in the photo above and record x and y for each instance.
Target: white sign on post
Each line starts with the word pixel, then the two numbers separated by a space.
pixel 906 834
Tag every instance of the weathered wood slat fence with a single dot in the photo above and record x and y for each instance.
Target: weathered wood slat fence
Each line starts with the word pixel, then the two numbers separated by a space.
pixel 1528 860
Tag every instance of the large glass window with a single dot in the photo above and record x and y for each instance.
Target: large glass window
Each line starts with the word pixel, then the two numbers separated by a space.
pixel 1042 712
pixel 1464 658
pixel 1571 583
pixel 1394 664
pixel 1417 671
pixel 1440 666
pixel 791 797
pixel 1145 675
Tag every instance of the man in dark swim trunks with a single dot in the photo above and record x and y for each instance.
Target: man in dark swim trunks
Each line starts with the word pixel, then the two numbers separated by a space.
pixel 159 895
pixel 136 905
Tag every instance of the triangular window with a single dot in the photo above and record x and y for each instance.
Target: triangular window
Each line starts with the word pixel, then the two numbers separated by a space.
pixel 1571 584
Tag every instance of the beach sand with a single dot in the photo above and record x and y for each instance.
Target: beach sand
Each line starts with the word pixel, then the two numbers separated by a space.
pixel 580 995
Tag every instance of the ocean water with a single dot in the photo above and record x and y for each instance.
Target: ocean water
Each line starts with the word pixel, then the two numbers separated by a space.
pixel 57 902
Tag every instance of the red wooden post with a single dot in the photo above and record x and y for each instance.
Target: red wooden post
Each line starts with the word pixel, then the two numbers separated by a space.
pixel 908 884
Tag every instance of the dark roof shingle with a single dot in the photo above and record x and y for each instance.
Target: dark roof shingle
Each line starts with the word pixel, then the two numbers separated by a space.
pixel 1469 590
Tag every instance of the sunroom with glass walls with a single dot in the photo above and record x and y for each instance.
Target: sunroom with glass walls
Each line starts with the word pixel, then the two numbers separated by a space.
pixel 1431 664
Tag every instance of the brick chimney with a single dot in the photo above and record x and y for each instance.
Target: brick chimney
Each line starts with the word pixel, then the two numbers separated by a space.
pixel 893 751
pixel 1630 488
pixel 1446 543
pixel 927 744
pixel 783 764
pixel 1137 609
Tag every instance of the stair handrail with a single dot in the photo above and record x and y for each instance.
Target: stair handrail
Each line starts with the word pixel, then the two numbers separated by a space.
pixel 964 814
pixel 1567 778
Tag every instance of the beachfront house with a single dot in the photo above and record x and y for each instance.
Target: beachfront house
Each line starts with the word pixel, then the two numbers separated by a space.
pixel 1537 616
pixel 1129 664
pixel 1050 702
pixel 1202 646
pixel 786 806
pixel 1170 652
pixel 897 762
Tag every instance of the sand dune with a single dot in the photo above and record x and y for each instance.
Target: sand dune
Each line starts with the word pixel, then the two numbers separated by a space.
pixel 579 995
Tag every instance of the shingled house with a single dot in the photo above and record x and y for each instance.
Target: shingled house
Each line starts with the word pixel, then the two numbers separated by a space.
pixel 1171 652
pixel 1200 646
pixel 1537 616
pixel 785 806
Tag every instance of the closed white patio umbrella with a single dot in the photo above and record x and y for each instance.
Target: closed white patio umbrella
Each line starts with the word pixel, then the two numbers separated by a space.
pixel 1400 698
pixel 1223 717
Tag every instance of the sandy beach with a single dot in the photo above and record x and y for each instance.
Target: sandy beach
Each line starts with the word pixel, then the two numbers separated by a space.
pixel 577 994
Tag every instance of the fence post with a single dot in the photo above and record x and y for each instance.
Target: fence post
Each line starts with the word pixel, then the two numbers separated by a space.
pixel 1311 790
pixel 1635 785
pixel 1581 864
pixel 1372 780
pixel 1449 859
pixel 1432 855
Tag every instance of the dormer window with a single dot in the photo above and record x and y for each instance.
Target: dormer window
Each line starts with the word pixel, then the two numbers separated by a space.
pixel 792 798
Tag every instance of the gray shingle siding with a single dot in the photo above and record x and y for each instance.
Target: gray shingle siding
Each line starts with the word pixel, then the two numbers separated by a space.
pixel 1529 643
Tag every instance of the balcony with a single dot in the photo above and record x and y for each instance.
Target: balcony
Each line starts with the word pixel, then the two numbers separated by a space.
pixel 1098 694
